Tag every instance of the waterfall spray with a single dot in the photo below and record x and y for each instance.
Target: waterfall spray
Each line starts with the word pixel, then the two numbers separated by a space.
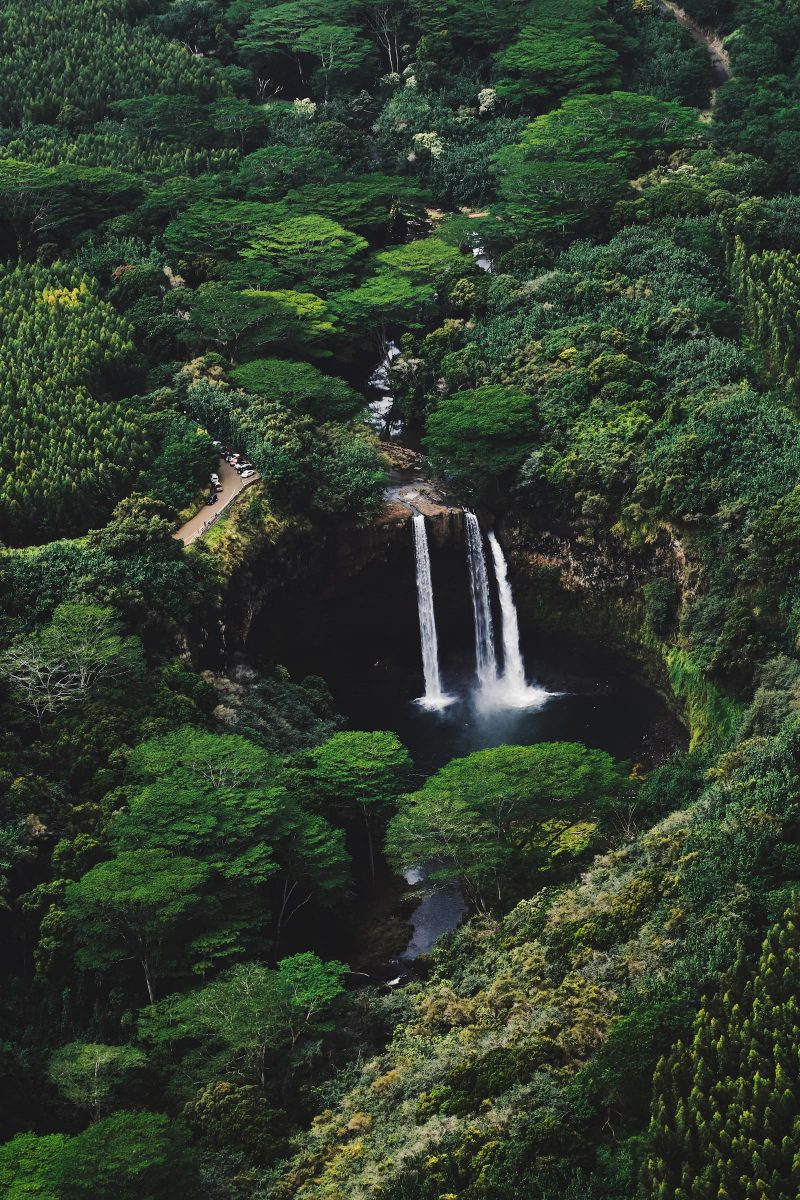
pixel 435 697
pixel 485 657
pixel 512 689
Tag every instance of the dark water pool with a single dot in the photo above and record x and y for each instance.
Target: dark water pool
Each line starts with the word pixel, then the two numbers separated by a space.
pixel 362 636
pixel 585 700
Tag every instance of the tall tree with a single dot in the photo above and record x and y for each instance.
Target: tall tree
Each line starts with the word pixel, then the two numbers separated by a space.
pixel 257 1014
pixel 220 799
pixel 361 773
pixel 144 906
pixel 80 649
pixel 499 816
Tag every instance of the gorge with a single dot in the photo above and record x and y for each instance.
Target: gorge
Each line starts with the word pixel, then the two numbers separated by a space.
pixel 351 614
pixel 425 826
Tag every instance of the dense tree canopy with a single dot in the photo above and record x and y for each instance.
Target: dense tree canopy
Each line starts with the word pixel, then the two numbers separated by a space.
pixel 59 338
pixel 496 816
pixel 479 436
pixel 574 227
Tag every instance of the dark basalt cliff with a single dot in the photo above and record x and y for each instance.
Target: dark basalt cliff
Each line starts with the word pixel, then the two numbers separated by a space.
pixel 315 585
pixel 305 564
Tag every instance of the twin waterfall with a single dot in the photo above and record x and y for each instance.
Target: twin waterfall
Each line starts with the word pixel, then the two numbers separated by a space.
pixel 485 656
pixel 435 697
pixel 495 689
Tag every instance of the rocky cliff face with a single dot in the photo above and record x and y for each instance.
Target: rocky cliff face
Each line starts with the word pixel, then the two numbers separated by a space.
pixel 324 563
pixel 594 589
pixel 302 580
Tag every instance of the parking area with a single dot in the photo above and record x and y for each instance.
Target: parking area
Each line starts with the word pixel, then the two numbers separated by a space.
pixel 231 483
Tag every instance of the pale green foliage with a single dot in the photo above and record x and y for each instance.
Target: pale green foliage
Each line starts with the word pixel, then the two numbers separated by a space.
pixel 78 651
pixel 306 249
pixel 91 1075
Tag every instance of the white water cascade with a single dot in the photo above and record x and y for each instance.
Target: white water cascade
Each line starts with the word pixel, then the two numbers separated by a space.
pixel 380 409
pixel 485 656
pixel 512 687
pixel 435 696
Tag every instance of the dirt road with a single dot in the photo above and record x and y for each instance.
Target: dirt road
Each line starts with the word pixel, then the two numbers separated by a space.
pixel 720 59
pixel 232 485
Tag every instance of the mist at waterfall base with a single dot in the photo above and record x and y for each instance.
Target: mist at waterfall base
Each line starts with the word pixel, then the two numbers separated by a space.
pixel 504 686
pixel 361 634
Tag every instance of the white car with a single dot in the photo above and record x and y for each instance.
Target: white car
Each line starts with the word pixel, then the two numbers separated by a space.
pixel 248 474
pixel 215 478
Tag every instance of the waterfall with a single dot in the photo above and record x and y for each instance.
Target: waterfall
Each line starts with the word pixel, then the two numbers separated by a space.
pixel 513 691
pixel 435 697
pixel 481 607
pixel 380 409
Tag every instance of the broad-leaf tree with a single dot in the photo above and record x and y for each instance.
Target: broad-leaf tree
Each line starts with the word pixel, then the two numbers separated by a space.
pixel 144 906
pixel 478 437
pixel 253 1016
pixel 493 819
pixel 361 773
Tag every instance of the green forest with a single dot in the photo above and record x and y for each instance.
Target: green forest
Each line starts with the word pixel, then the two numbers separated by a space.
pixel 570 232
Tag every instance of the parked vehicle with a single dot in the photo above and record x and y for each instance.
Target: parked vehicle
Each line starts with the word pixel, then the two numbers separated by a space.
pixel 248 474
pixel 214 478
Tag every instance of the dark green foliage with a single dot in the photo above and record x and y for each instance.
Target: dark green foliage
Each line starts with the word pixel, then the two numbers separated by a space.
pixel 574 162
pixel 661 597
pixel 478 437
pixel 228 1116
pixel 67 63
pixel 254 1018
pixel 300 387
pixel 328 469
pixel 185 458
pixel 725 1108
pixel 276 712
pixel 135 565
pixel 670 64
pixel 361 774
pixel 567 48
pixel 70 445
pixel 268 174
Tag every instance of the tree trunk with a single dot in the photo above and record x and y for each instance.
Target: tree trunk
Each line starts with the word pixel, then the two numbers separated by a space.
pixel 150 990
pixel 370 847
